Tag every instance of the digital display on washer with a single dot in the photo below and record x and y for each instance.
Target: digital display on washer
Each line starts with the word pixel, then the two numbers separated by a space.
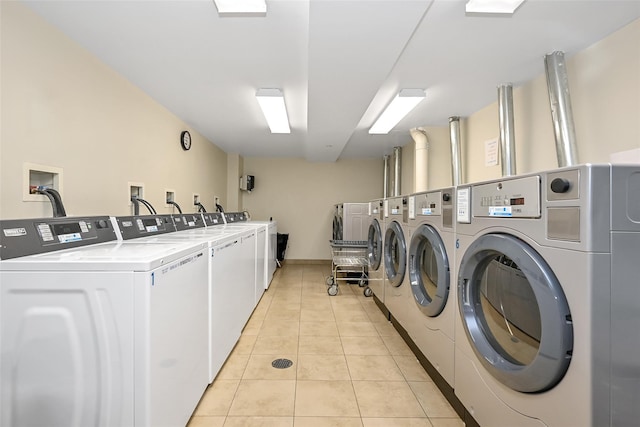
pixel 517 201
pixel 68 228
pixel 149 222
pixel 64 232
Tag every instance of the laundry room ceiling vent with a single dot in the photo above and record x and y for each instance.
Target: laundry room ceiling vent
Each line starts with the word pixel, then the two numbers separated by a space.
pixel 241 7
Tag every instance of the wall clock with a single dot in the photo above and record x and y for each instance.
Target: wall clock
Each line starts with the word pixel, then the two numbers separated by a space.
pixel 185 140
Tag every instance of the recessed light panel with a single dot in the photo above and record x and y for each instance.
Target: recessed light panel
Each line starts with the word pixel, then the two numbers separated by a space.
pixel 241 7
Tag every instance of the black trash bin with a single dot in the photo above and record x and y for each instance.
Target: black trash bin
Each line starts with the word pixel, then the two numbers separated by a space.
pixel 282 240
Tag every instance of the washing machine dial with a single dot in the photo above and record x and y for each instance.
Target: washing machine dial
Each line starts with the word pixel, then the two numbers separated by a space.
pixel 560 185
pixel 102 224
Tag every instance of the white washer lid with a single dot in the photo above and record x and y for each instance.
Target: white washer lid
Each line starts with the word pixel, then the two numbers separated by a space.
pixel 112 256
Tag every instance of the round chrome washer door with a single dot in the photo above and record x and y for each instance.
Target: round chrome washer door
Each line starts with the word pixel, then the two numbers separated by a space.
pixel 374 245
pixel 395 254
pixel 428 271
pixel 337 228
pixel 515 313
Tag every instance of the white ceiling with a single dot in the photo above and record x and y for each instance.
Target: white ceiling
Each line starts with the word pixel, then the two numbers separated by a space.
pixel 338 62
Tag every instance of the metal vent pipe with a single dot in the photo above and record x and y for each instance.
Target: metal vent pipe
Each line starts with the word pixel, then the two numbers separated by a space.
pixel 507 130
pixel 454 135
pixel 561 112
pixel 386 176
pixel 397 170
pixel 421 159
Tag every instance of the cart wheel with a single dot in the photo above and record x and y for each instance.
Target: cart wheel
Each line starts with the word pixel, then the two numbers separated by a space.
pixel 330 280
pixel 367 292
pixel 333 290
pixel 362 282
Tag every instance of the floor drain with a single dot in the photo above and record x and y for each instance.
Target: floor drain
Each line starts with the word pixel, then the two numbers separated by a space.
pixel 282 363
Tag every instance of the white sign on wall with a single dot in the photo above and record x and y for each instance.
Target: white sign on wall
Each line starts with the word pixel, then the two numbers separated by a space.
pixel 491 152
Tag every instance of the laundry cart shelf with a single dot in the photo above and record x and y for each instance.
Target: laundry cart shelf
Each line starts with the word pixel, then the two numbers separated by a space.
pixel 348 257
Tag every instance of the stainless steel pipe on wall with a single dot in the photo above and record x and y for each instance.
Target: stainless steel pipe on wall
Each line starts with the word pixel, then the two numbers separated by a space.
pixel 397 170
pixel 454 135
pixel 507 130
pixel 386 176
pixel 561 112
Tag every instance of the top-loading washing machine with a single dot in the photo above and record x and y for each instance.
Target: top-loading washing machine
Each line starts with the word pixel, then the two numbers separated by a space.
pixel 430 259
pixel 547 320
pixel 375 251
pixel 232 281
pixel 271 244
pixel 230 278
pixel 113 333
pixel 397 292
pixel 239 221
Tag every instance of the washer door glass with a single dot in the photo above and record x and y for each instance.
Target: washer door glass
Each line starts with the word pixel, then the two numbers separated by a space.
pixel 337 228
pixel 395 254
pixel 428 270
pixel 374 245
pixel 515 313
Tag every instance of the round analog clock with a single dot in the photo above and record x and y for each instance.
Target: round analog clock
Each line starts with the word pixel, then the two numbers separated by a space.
pixel 185 140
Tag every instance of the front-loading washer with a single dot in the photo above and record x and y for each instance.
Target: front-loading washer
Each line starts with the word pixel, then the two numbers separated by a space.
pixel 396 293
pixel 355 221
pixel 547 319
pixel 375 251
pixel 113 333
pixel 430 259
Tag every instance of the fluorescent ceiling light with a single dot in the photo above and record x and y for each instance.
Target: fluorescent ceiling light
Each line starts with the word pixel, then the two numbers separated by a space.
pixel 272 103
pixel 405 101
pixel 241 7
pixel 493 6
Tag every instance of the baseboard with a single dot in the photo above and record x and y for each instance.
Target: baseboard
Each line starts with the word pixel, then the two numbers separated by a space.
pixel 306 261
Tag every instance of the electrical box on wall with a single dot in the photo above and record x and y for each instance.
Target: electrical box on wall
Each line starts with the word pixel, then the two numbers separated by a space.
pixel 39 176
pixel 247 182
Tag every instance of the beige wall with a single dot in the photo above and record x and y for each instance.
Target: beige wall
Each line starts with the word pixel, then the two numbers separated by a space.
pixel 604 83
pixel 300 195
pixel 234 171
pixel 62 107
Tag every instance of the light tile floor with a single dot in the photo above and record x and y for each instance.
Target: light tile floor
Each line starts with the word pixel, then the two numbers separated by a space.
pixel 350 366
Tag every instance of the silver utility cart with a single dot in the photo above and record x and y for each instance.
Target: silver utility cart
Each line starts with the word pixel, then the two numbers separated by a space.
pixel 348 257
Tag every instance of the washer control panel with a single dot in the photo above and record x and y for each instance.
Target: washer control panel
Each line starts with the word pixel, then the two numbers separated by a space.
pixel 212 219
pixel 132 227
pixel 513 198
pixel 22 237
pixel 188 221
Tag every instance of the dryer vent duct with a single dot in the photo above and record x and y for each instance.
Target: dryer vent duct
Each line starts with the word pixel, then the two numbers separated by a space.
pixel 454 135
pixel 386 177
pixel 561 112
pixel 397 171
pixel 419 136
pixel 507 130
